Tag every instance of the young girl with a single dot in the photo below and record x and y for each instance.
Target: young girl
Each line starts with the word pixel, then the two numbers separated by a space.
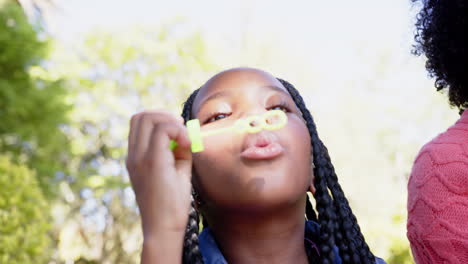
pixel 250 189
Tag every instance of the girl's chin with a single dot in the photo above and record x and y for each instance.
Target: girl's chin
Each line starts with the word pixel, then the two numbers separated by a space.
pixel 258 200
pixel 258 206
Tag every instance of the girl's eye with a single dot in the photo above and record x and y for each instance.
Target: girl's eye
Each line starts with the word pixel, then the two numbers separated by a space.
pixel 216 117
pixel 280 107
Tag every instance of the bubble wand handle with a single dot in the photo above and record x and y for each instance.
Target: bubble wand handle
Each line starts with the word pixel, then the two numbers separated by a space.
pixel 271 120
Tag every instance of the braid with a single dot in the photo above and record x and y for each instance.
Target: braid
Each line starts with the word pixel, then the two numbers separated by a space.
pixel 191 251
pixel 310 213
pixel 326 214
pixel 338 224
pixel 187 110
pixel 348 219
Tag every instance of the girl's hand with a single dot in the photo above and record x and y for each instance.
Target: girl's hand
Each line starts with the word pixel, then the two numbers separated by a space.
pixel 161 178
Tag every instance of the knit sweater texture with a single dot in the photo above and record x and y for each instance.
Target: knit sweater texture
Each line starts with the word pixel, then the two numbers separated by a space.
pixel 437 225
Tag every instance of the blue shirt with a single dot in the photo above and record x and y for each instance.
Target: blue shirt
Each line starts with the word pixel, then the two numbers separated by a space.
pixel 212 255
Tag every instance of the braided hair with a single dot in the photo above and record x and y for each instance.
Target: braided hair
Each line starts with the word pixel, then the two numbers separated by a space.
pixel 338 225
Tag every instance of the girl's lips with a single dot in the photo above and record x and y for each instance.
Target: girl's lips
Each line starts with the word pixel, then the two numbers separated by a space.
pixel 269 151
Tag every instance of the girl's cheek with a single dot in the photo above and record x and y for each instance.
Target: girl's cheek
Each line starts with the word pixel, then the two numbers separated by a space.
pixel 216 154
pixel 218 144
pixel 299 129
pixel 298 135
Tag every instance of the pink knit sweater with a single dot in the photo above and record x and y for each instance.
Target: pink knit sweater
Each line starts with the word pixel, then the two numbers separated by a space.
pixel 438 198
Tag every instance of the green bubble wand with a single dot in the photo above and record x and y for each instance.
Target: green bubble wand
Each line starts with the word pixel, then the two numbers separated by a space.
pixel 271 120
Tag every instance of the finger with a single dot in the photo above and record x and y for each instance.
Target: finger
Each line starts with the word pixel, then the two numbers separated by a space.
pixel 165 112
pixel 133 131
pixel 145 128
pixel 159 143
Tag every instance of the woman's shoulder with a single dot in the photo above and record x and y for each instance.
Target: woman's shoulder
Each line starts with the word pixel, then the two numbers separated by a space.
pixel 455 135
pixel 445 158
pixel 448 149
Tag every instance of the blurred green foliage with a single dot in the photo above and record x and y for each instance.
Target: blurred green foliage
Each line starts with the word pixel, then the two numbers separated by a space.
pixel 24 216
pixel 32 106
pixel 32 146
pixel 400 253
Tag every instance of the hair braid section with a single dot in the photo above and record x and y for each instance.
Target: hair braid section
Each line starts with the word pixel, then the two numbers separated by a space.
pixel 341 227
pixel 191 250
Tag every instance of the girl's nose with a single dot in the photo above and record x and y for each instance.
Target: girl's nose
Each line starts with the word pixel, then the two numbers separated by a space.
pixel 269 120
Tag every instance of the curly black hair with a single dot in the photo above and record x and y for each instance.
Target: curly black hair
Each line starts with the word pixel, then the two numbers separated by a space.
pixel 441 36
pixel 338 225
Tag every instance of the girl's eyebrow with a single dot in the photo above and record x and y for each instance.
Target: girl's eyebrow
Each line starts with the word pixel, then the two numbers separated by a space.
pixel 276 88
pixel 228 92
pixel 225 93
pixel 211 97
pixel 215 95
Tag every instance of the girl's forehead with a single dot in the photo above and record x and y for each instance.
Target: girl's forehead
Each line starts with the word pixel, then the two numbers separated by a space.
pixel 238 79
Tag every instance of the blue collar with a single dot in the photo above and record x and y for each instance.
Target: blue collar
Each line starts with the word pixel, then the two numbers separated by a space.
pixel 212 255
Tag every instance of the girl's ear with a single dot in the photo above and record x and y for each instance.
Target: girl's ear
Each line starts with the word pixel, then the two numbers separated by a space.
pixel 312 185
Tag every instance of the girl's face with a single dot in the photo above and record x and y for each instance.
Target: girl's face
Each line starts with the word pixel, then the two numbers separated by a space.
pixel 226 174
